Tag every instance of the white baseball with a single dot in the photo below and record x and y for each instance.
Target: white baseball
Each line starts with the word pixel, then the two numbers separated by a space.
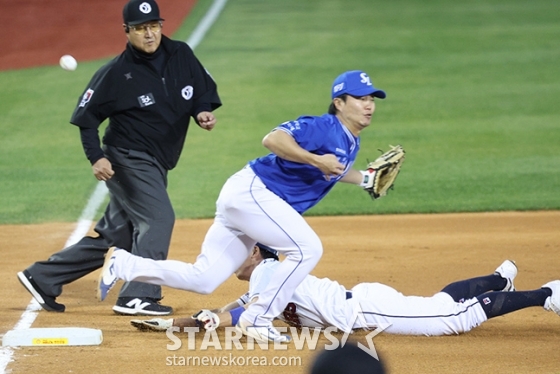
pixel 68 62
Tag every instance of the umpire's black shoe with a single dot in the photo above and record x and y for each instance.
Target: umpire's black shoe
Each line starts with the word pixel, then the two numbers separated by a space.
pixel 46 301
pixel 141 306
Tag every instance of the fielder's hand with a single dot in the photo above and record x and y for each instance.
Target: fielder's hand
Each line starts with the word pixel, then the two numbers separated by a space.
pixel 329 165
pixel 210 320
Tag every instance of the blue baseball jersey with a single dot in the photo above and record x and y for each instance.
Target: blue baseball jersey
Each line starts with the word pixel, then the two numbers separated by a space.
pixel 301 185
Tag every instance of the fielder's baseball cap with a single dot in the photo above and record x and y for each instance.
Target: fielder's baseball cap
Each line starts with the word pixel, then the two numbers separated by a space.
pixel 267 248
pixel 136 12
pixel 355 83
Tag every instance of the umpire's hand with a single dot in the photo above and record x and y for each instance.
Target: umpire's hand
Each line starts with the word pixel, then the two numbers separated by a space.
pixel 206 120
pixel 102 169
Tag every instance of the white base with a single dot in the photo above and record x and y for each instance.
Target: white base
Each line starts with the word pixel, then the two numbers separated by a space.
pixel 57 336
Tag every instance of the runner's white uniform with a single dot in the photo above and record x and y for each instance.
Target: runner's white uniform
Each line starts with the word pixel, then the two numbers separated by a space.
pixel 321 302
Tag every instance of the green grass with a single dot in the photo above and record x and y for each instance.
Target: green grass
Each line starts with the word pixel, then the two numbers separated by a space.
pixel 472 87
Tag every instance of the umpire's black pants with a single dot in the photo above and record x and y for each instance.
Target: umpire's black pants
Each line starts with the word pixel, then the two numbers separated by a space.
pixel 139 218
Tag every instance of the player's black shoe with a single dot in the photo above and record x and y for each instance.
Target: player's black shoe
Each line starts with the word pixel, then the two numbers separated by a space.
pixel 47 302
pixel 141 306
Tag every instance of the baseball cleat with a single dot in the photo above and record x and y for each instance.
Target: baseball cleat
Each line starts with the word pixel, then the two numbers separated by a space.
pixel 47 302
pixel 107 278
pixel 156 324
pixel 262 333
pixel 553 302
pixel 508 271
pixel 141 306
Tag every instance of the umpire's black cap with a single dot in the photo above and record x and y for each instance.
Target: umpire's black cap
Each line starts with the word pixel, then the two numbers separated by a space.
pixel 136 12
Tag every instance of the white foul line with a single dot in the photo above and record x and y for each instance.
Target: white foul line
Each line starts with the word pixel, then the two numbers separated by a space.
pixel 206 22
pixel 86 219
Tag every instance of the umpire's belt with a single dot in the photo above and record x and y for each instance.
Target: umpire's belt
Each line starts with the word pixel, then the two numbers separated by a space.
pixel 348 295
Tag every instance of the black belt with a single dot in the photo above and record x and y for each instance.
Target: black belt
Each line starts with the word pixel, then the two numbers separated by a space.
pixel 348 295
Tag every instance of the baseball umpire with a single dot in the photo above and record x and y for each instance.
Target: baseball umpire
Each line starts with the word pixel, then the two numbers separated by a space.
pixel 149 93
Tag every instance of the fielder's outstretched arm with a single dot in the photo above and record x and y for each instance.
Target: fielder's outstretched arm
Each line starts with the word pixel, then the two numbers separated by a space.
pixel 353 176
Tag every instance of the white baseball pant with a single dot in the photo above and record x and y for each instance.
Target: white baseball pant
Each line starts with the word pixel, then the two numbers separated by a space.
pixel 383 306
pixel 246 213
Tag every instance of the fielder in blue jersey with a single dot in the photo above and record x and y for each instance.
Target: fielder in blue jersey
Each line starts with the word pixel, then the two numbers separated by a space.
pixel 304 185
pixel 264 202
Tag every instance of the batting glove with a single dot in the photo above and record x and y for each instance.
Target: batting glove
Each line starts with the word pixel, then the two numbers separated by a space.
pixel 210 320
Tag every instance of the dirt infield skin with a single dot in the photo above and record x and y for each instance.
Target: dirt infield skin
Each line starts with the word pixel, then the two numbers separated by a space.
pixel 417 254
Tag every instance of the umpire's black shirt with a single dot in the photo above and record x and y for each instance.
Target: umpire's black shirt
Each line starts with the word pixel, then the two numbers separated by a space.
pixel 148 111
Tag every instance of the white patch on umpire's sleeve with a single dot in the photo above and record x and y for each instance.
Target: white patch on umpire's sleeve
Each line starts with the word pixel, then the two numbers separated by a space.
pixel 86 98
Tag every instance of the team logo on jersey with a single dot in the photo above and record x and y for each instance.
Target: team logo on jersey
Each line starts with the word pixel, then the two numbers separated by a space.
pixel 146 100
pixel 145 8
pixel 86 98
pixel 187 92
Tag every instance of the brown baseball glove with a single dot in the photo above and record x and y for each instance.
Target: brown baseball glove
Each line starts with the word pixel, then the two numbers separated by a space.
pixel 381 173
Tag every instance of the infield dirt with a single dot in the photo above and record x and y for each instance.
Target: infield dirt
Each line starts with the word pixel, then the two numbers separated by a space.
pixel 417 254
